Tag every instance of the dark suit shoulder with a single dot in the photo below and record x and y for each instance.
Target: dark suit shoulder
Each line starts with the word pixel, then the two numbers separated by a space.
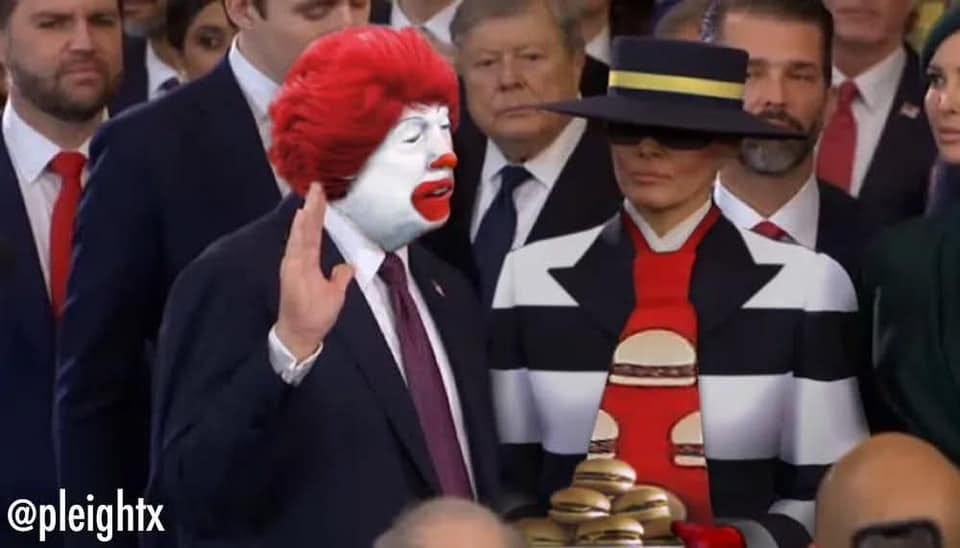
pixel 898 250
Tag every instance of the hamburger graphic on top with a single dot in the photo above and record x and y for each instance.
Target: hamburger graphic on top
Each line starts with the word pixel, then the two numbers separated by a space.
pixel 603 442
pixel 656 357
pixel 686 438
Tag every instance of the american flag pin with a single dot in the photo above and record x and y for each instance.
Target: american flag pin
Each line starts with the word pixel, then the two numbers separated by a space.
pixel 910 110
pixel 438 289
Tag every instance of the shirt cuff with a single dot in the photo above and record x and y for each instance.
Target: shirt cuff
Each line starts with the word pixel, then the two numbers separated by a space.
pixel 285 363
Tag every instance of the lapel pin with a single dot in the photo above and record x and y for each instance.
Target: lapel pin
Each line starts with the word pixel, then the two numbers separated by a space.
pixel 910 110
pixel 438 289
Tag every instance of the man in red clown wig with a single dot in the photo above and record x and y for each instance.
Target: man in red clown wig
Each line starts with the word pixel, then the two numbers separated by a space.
pixel 319 370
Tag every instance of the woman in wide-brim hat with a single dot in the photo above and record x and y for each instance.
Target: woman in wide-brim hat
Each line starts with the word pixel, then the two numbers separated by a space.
pixel 913 276
pixel 719 354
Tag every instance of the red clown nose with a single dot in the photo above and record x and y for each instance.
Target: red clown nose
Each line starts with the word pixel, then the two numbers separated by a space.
pixel 448 160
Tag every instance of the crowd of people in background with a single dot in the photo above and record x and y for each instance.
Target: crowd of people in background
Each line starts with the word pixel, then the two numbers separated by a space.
pixel 799 226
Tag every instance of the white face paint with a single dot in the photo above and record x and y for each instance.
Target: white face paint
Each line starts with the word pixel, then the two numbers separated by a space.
pixel 404 189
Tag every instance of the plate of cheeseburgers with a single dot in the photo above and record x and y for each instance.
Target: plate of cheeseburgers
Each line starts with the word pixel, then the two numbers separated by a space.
pixel 606 506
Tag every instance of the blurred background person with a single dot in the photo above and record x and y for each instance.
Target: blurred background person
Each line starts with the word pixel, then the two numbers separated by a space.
pixel 595 22
pixel 683 20
pixel 523 174
pixel 876 145
pixel 633 17
pixel 200 32
pixel 445 522
pixel 64 64
pixel 431 17
pixel 167 180
pixel 150 63
pixel 910 278
pixel 888 479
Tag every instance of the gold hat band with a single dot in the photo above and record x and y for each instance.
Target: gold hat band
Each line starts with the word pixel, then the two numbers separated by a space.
pixel 645 81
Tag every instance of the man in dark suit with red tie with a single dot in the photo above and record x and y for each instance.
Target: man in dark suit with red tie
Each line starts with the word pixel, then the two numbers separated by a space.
pixel 311 408
pixel 877 145
pixel 60 83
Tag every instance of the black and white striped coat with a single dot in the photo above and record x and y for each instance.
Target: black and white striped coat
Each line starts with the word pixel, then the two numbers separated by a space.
pixel 779 396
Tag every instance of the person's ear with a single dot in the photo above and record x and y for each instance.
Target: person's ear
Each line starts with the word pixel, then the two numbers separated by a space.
pixel 242 13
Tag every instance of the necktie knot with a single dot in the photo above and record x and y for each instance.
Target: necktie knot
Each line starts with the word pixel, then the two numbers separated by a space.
pixel 847 93
pixel 393 272
pixel 771 230
pixel 169 84
pixel 511 177
pixel 69 166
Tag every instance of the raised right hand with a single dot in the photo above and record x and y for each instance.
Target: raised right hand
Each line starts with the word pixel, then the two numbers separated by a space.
pixel 310 303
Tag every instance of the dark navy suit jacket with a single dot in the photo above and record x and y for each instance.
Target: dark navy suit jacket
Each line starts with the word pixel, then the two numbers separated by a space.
pixel 27 466
pixel 168 177
pixel 133 89
pixel 896 183
pixel 248 460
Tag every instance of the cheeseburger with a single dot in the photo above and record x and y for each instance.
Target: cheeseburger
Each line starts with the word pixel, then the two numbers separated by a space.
pixel 687 439
pixel 655 357
pixel 578 505
pixel 612 531
pixel 650 506
pixel 542 532
pixel 678 511
pixel 603 442
pixel 609 476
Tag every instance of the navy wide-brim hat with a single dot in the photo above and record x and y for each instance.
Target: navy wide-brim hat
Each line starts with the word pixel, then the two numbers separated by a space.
pixel 674 84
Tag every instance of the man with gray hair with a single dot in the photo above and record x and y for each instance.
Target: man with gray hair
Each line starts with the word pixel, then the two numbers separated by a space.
pixel 524 174
pixel 445 522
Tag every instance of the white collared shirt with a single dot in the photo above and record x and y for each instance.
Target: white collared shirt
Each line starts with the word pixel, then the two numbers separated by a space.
pixel 158 72
pixel 366 257
pixel 674 239
pixel 529 199
pixel 799 217
pixel 438 25
pixel 599 46
pixel 31 153
pixel 878 88
pixel 259 91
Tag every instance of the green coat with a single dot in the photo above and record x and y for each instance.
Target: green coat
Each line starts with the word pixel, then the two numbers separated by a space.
pixel 912 288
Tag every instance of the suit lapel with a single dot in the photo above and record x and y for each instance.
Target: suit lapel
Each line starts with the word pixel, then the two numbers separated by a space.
pixel 133 88
pixel 601 283
pixel 358 330
pixel 725 276
pixel 905 121
pixel 226 128
pixel 471 147
pixel 578 191
pixel 458 345
pixel 26 287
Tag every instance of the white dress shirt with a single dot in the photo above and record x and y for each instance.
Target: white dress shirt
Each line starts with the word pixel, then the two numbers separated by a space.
pixel 366 257
pixel 31 153
pixel 530 197
pixel 259 91
pixel 799 217
pixel 158 72
pixel 438 25
pixel 674 239
pixel 599 46
pixel 878 88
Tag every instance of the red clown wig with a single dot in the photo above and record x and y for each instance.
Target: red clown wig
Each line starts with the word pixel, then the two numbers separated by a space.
pixel 343 96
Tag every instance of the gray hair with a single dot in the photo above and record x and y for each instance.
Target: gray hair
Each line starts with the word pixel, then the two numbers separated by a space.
pixel 412 528
pixel 566 15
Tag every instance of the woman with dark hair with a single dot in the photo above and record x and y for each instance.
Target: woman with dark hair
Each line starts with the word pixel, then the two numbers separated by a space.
pixel 200 32
pixel 912 275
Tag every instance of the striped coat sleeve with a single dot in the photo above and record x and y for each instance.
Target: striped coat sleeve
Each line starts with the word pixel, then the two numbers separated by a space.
pixel 823 418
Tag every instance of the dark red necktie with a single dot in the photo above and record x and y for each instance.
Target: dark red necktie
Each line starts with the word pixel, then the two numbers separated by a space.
pixel 425 383
pixel 69 166
pixel 838 144
pixel 772 231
